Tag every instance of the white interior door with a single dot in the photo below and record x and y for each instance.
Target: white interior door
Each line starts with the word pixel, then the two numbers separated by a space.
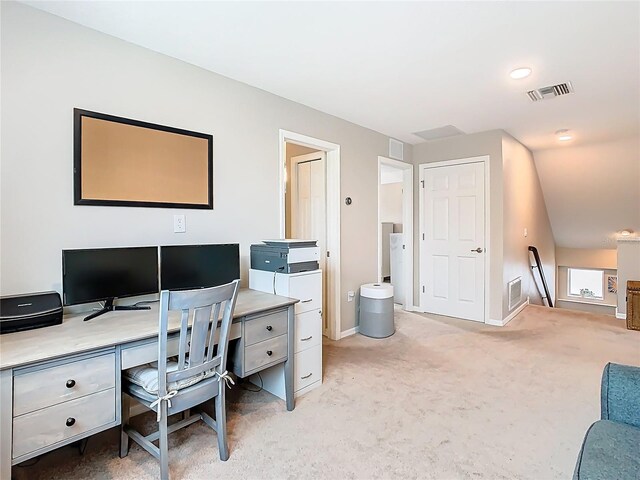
pixel 308 209
pixel 453 244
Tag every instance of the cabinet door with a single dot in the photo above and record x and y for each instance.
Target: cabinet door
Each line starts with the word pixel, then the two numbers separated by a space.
pixel 307 289
pixel 308 330
pixel 308 367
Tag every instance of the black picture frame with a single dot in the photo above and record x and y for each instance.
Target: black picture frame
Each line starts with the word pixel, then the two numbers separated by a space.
pixel 79 113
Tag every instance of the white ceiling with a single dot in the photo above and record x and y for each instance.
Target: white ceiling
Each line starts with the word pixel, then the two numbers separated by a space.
pixel 400 68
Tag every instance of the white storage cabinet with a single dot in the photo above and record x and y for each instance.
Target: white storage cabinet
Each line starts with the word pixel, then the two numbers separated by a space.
pixel 307 287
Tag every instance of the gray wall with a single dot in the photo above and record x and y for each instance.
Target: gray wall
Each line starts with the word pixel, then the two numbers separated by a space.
pixel 628 269
pixel 465 146
pixel 515 202
pixel 50 66
pixel 524 207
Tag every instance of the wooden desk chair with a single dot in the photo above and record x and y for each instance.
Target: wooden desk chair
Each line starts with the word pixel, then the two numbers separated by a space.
pixel 176 385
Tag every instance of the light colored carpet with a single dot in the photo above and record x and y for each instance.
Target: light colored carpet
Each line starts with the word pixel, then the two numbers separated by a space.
pixel 442 399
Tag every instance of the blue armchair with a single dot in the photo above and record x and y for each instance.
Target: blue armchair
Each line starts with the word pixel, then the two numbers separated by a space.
pixel 611 446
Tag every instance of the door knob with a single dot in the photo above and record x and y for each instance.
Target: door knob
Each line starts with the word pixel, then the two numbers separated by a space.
pixel 478 250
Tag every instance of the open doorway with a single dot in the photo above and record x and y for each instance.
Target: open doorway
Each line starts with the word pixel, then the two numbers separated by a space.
pixel 395 228
pixel 310 209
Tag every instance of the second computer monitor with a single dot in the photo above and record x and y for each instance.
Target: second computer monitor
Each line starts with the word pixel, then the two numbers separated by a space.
pixel 185 267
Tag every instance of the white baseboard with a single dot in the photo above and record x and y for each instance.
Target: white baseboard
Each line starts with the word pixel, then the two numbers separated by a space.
pixel 511 316
pixel 351 331
pixel 620 316
pixel 413 308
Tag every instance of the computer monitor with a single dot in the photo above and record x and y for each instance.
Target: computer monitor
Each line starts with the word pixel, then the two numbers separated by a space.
pixel 198 266
pixel 104 274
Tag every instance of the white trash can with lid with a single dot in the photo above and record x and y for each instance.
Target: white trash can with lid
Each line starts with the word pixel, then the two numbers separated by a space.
pixel 376 310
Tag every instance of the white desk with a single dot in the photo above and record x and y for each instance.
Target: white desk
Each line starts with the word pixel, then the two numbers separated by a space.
pixel 70 373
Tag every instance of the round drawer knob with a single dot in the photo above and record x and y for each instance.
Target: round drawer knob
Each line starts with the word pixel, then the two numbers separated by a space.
pixel 269 328
pixel 70 421
pixel 71 383
pixel 269 352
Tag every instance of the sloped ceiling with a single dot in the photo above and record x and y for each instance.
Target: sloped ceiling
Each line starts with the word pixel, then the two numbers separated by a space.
pixel 592 192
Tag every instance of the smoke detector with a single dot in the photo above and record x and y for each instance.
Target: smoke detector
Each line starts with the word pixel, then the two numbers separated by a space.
pixel 550 91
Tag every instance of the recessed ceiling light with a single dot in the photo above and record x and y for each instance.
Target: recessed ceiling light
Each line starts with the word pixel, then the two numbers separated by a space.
pixel 564 135
pixel 520 73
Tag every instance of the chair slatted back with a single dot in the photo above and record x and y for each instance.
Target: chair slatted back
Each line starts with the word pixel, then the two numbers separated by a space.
pixel 200 312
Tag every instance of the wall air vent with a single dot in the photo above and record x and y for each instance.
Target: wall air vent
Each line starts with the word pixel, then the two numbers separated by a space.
pixel 551 91
pixel 515 293
pixel 396 149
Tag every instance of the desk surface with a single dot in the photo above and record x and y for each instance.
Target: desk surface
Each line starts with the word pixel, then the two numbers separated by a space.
pixel 114 328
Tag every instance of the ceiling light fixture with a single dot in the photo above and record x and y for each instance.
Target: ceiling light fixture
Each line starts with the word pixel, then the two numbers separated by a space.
pixel 520 73
pixel 564 135
pixel 625 233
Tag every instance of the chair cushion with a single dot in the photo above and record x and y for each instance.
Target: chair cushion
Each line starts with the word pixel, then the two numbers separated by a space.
pixel 146 376
pixel 610 450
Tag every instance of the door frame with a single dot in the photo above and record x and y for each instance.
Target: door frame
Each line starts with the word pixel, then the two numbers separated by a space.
pixel 407 226
pixel 424 169
pixel 332 165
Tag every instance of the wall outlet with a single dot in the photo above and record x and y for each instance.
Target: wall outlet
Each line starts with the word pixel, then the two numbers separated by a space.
pixel 179 224
pixel 350 295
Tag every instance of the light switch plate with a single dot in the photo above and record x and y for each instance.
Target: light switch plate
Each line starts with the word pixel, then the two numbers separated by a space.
pixel 179 224
pixel 350 296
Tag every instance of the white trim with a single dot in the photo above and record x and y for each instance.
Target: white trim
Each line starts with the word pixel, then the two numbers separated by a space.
pixel 620 316
pixel 332 212
pixel 584 302
pixel 414 308
pixel 407 226
pixel 487 225
pixel 511 316
pixel 351 331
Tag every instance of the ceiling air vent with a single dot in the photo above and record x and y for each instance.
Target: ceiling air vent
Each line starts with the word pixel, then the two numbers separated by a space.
pixel 551 91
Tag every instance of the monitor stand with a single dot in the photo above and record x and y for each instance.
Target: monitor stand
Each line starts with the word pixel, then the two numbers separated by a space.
pixel 110 307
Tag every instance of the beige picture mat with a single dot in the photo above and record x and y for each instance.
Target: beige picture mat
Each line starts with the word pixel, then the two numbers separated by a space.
pixel 135 164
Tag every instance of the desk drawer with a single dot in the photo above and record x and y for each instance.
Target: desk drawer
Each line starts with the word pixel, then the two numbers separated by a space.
pixel 308 330
pixel 48 426
pixel 257 355
pixel 147 352
pixel 266 327
pixel 50 386
pixel 307 367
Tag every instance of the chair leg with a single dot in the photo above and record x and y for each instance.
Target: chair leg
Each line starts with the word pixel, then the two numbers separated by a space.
pixel 221 423
pixel 124 438
pixel 164 443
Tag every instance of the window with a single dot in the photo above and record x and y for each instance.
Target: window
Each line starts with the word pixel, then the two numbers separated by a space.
pixel 586 283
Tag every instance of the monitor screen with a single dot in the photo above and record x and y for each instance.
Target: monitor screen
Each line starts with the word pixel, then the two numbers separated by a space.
pixel 198 266
pixel 104 273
